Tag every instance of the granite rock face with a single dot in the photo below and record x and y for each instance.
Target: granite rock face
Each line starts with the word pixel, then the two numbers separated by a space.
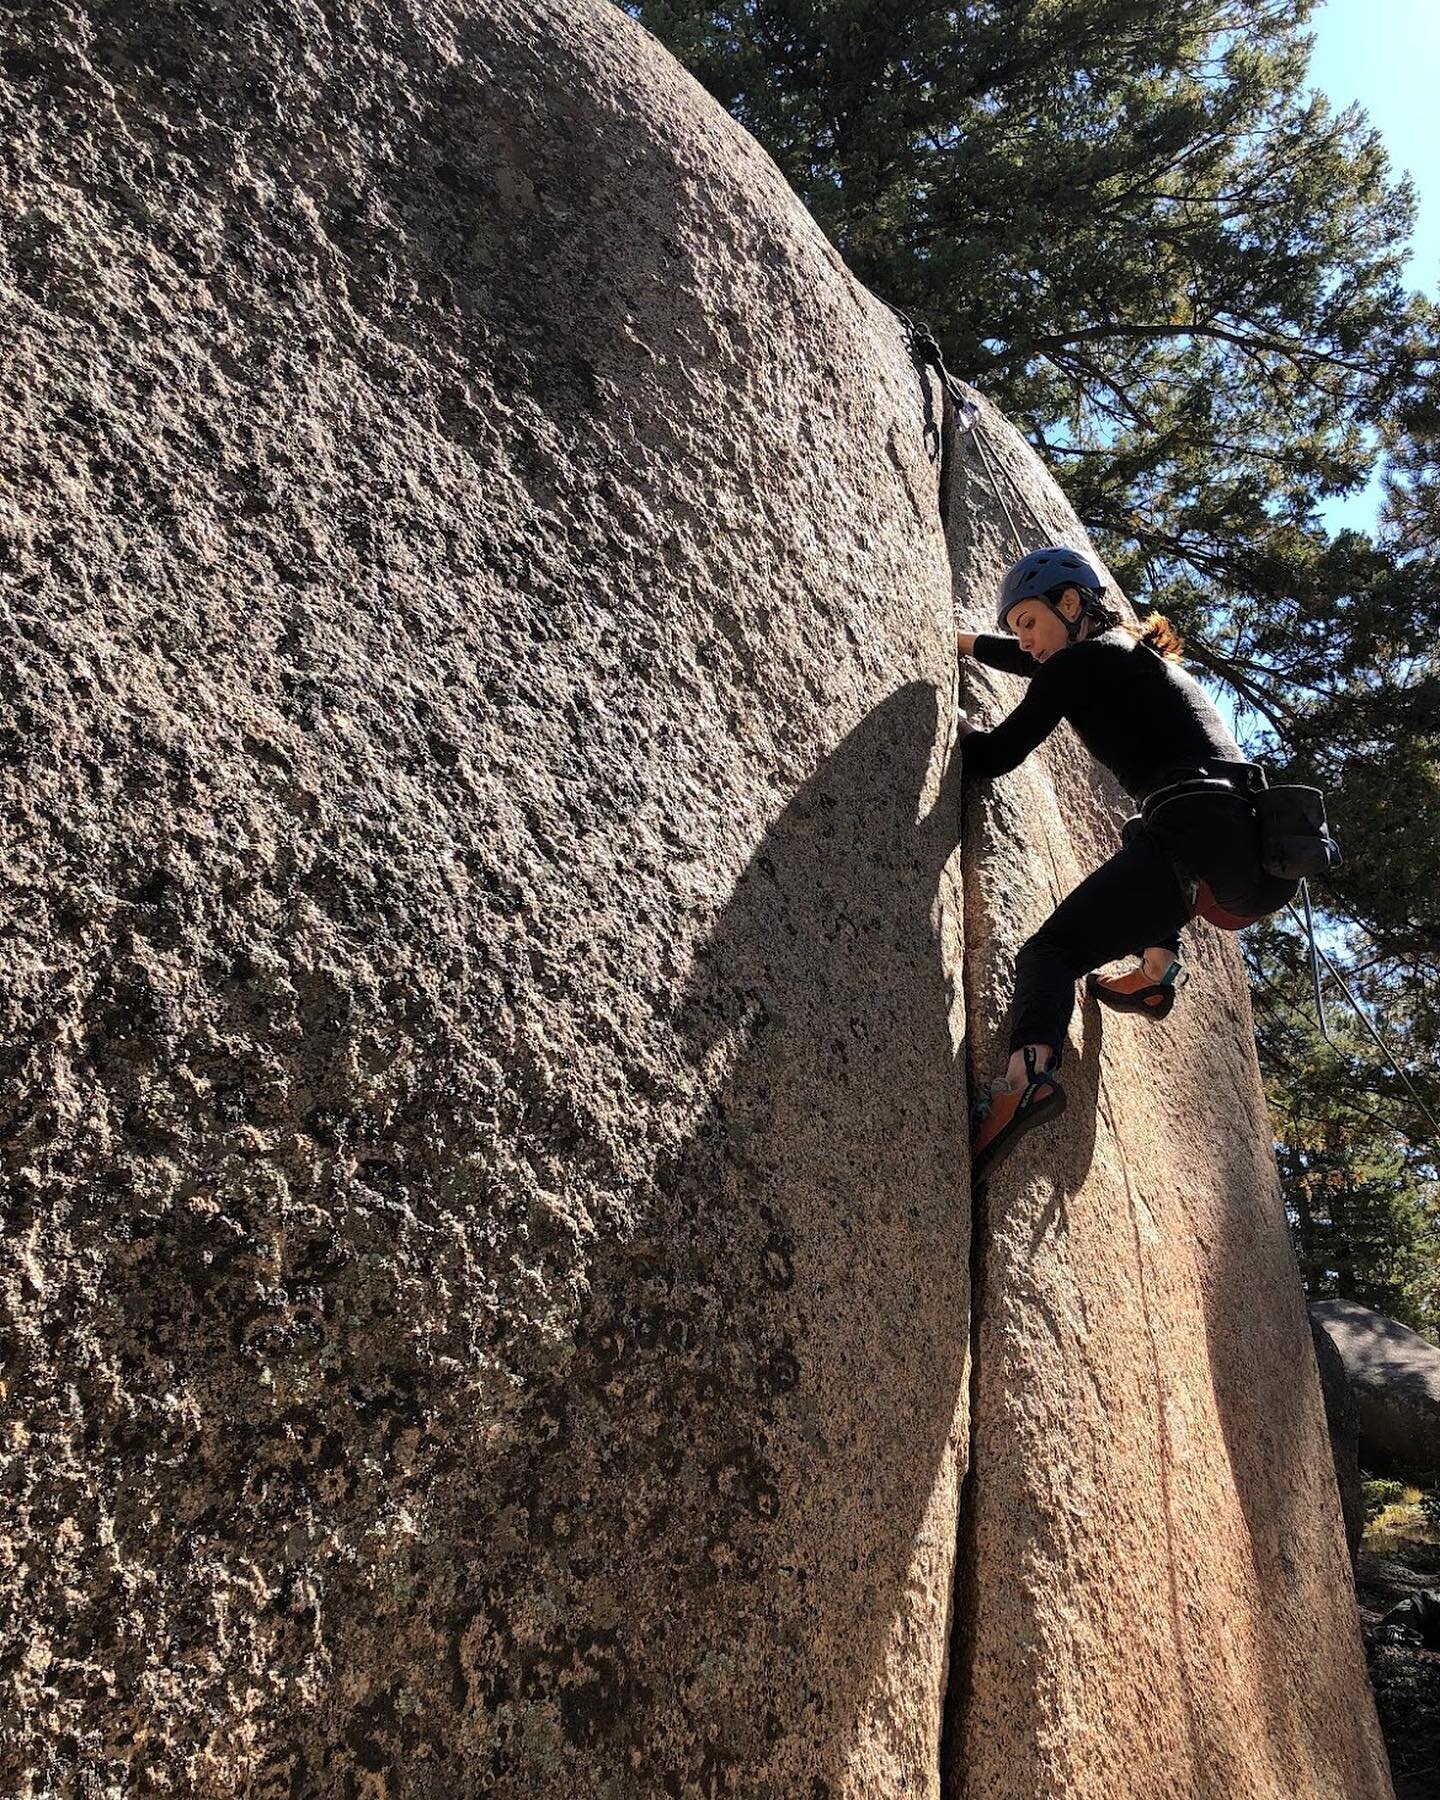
pixel 488 1256
pixel 488 1268
pixel 1395 1377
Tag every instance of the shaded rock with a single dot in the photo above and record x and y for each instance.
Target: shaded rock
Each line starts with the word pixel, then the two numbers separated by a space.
pixel 1395 1376
pixel 1342 1417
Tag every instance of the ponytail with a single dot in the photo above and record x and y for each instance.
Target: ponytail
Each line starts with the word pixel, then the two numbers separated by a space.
pixel 1156 631
pixel 1161 636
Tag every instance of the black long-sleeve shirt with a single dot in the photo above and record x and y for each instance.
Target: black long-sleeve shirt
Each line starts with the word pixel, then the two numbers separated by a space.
pixel 1137 713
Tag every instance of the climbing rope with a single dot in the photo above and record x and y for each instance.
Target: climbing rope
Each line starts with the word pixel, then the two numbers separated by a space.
pixel 1314 958
pixel 979 438
pixel 968 414
pixel 1317 956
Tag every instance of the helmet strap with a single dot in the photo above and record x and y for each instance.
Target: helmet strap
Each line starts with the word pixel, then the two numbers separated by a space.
pixel 1072 626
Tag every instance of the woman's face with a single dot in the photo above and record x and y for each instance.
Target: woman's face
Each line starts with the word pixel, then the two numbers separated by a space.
pixel 1034 623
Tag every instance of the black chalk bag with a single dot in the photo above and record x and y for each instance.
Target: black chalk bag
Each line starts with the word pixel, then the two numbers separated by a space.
pixel 1295 841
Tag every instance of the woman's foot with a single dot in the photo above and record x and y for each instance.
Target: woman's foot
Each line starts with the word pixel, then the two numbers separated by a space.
pixel 1011 1109
pixel 1150 989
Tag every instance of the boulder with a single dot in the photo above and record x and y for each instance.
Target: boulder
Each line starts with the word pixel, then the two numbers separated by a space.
pixel 490 1275
pixel 491 989
pixel 1395 1376
pixel 1342 1417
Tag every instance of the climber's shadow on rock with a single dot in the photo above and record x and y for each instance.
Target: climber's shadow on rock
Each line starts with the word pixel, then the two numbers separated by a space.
pixel 1071 1154
pixel 782 1339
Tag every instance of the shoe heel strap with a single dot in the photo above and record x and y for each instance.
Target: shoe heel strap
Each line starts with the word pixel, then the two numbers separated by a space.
pixel 1028 1052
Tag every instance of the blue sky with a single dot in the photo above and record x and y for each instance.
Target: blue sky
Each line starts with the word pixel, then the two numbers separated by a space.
pixel 1386 55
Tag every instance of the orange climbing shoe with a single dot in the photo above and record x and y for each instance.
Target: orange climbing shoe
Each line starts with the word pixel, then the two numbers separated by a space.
pixel 1136 992
pixel 1004 1116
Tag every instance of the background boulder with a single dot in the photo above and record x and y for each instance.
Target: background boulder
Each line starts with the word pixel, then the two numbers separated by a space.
pixel 1395 1377
pixel 1342 1416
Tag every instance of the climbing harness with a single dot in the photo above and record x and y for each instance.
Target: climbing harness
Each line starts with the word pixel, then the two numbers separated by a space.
pixel 1295 840
pixel 1295 844
pixel 1217 775
pixel 1220 776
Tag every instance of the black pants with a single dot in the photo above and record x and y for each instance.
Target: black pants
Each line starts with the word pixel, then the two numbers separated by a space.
pixel 1142 896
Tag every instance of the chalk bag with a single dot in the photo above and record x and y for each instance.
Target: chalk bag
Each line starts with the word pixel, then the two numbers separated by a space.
pixel 1295 841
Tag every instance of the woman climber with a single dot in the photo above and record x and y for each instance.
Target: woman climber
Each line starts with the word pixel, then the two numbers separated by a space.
pixel 1195 846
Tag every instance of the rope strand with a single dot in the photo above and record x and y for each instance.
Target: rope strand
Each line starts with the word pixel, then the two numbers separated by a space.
pixel 995 487
pixel 1317 955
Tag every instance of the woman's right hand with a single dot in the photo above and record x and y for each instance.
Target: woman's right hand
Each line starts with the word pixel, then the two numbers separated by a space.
pixel 965 642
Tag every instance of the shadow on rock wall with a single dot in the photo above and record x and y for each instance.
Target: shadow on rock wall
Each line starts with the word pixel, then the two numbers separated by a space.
pixel 721 1496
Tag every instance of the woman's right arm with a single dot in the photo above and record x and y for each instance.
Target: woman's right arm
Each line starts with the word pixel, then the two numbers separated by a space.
pixel 998 751
pixel 995 651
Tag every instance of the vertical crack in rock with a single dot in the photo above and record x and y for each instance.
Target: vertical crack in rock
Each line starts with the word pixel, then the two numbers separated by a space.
pixel 960 1651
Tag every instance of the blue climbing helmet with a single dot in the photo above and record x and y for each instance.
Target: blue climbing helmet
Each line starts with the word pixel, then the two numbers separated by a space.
pixel 1042 575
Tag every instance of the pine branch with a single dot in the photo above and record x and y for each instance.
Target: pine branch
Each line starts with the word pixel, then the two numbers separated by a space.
pixel 1294 351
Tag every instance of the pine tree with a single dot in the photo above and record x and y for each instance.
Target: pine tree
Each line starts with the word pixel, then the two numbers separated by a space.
pixel 1361 1185
pixel 1131 226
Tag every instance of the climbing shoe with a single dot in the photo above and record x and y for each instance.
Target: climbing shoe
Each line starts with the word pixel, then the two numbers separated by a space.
pixel 1004 1115
pixel 1137 992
